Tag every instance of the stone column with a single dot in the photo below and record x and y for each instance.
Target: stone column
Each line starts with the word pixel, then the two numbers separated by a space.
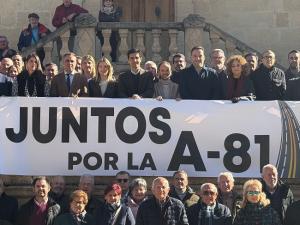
pixel 156 57
pixel 193 32
pixel 48 52
pixel 214 39
pixel 140 44
pixel 64 49
pixel 173 43
pixel 123 48
pixel 230 47
pixel 85 41
pixel 106 48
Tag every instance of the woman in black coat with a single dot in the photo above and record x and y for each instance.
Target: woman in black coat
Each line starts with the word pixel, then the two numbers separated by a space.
pixel 31 81
pixel 104 83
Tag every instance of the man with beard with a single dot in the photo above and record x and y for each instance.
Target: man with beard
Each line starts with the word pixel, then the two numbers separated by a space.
pixel 179 63
pixel 292 76
pixel 279 193
pixel 57 193
pixel 40 209
pixel 294 69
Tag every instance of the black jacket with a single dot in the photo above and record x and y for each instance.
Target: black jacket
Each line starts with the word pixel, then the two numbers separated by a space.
pixel 221 214
pixel 292 214
pixel 130 84
pixel 202 86
pixel 26 210
pixel 269 84
pixel 172 213
pixel 285 194
pixel 95 90
pixel 69 219
pixel 8 208
pixel 31 83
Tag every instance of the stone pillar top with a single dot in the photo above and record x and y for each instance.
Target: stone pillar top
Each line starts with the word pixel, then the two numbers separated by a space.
pixel 85 19
pixel 194 20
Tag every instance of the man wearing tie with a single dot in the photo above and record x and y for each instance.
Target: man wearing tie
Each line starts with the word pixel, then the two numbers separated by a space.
pixel 69 83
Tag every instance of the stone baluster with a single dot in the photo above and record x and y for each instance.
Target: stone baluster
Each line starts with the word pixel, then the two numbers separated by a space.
pixel 48 52
pixel 156 57
pixel 123 48
pixel 193 32
pixel 230 47
pixel 85 41
pixel 214 39
pixel 64 49
pixel 140 44
pixel 173 43
pixel 106 48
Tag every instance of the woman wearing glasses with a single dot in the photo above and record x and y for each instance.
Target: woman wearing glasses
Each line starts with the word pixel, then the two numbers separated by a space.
pixel 256 208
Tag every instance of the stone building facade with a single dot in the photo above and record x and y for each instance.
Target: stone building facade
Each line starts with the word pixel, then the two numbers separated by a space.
pixel 262 24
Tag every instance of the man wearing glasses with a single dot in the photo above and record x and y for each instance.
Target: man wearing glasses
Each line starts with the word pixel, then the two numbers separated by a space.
pixel 123 179
pixel 268 80
pixel 208 211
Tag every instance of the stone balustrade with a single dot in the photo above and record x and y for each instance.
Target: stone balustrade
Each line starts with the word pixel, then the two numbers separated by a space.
pixel 156 40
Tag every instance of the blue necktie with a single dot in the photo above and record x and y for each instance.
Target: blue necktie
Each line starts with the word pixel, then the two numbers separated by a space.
pixel 68 82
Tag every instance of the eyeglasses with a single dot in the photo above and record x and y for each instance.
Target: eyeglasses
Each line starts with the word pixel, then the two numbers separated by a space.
pixel 122 180
pixel 252 193
pixel 209 193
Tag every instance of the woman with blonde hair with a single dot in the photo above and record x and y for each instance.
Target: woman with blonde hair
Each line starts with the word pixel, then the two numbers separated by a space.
pixel 104 83
pixel 256 208
pixel 237 83
pixel 88 65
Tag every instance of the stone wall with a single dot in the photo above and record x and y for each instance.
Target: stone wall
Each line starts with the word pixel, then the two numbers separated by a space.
pixel 262 24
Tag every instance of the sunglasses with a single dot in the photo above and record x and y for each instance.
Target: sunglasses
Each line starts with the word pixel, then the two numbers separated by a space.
pixel 209 193
pixel 252 193
pixel 122 180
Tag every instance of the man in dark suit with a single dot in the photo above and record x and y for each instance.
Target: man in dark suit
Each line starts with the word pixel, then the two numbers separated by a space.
pixel 69 83
pixel 135 83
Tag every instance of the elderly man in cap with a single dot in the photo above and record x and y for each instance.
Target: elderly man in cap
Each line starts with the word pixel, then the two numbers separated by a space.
pixel 32 34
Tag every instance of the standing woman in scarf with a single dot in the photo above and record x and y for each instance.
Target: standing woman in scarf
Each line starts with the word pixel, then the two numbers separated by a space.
pixel 256 208
pixel 114 212
pixel 31 80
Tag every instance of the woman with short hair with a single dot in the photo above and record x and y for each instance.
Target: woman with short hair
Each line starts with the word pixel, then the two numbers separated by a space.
pixel 77 214
pixel 136 194
pixel 114 212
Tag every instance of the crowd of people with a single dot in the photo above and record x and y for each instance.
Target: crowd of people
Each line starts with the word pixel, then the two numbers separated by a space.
pixel 239 77
pixel 265 201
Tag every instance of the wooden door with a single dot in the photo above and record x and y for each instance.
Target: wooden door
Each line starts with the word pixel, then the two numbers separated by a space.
pixel 146 10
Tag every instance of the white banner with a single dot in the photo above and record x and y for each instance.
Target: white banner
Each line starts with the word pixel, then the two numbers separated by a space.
pixel 66 136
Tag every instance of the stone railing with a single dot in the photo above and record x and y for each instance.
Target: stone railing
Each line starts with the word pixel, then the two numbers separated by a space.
pixel 157 40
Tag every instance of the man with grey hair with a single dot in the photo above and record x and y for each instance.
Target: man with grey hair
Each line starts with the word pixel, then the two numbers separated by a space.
pixel 87 184
pixel 208 211
pixel 161 209
pixel 5 51
pixel 181 191
pixel 8 205
pixel 151 67
pixel 57 193
pixel 279 193
pixel 5 80
pixel 227 195
pixel 217 61
pixel 268 80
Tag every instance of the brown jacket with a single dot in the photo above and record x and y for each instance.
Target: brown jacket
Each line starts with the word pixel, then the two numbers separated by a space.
pixel 59 86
